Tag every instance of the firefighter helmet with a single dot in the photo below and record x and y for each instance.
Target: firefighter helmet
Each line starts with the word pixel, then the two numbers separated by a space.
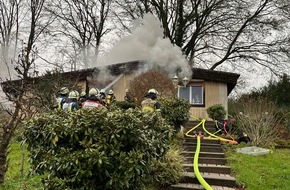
pixel 64 90
pixel 103 91
pixel 83 93
pixel 111 92
pixel 73 94
pixel 93 91
pixel 153 91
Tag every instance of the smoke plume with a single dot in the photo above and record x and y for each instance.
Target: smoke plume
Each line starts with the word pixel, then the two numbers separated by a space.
pixel 146 43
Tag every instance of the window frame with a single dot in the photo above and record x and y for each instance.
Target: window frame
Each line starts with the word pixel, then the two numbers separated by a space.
pixel 190 86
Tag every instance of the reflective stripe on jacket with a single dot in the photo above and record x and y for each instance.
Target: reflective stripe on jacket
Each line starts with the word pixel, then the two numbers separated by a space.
pixel 60 101
pixel 71 106
pixel 91 104
pixel 110 98
pixel 148 105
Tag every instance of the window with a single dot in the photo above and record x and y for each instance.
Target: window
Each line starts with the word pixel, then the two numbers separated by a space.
pixel 194 93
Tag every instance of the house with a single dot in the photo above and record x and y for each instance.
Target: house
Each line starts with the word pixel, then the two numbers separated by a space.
pixel 207 88
pixel 204 89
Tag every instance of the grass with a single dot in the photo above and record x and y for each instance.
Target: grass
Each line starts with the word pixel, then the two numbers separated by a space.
pixel 13 178
pixel 262 172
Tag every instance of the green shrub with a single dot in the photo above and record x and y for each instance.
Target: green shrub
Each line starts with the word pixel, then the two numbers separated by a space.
pixel 175 111
pixel 97 149
pixel 125 105
pixel 216 112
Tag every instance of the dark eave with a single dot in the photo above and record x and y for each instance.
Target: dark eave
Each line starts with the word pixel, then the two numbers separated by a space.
pixel 216 76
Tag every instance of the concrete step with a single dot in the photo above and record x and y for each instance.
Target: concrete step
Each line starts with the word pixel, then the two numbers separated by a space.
pixel 203 143
pixel 211 178
pixel 191 186
pixel 208 141
pixel 193 124
pixel 203 148
pixel 199 128
pixel 204 154
pixel 211 162
pixel 186 186
pixel 209 168
pixel 197 122
pixel 206 160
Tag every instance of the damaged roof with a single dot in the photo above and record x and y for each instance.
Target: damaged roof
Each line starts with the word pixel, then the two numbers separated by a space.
pixel 114 70
pixel 129 67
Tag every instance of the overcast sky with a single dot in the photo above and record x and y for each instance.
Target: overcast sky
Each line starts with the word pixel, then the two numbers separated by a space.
pixel 146 42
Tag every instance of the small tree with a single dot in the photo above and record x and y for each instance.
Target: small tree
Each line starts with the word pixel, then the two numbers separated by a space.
pixel 152 79
pixel 24 68
pixel 18 95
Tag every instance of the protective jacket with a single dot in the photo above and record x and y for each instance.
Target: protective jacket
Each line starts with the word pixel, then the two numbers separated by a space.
pixel 60 101
pixel 92 102
pixel 149 104
pixel 110 98
pixel 70 104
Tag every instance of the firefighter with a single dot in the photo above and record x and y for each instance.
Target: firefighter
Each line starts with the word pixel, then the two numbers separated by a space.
pixel 102 96
pixel 243 137
pixel 110 98
pixel 63 95
pixel 150 103
pixel 71 103
pixel 128 96
pixel 82 98
pixel 93 100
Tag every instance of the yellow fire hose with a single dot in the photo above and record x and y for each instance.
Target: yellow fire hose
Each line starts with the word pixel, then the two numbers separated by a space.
pixel 195 167
pixel 217 137
pixel 212 136
pixel 196 155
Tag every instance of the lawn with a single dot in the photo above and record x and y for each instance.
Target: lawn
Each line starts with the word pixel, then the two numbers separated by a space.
pixel 13 178
pixel 266 172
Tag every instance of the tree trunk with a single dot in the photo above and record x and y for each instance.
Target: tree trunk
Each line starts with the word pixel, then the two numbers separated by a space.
pixel 3 163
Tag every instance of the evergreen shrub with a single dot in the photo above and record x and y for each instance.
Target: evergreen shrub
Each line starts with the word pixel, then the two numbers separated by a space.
pixel 125 105
pixel 98 148
pixel 216 112
pixel 175 111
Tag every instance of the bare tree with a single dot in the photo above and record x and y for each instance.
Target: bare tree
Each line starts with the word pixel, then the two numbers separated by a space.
pixel 284 7
pixel 260 120
pixel 212 33
pixel 151 79
pixel 9 31
pixel 83 23
pixel 19 96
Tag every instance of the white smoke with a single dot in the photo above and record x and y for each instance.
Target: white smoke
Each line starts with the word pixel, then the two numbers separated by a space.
pixel 146 43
